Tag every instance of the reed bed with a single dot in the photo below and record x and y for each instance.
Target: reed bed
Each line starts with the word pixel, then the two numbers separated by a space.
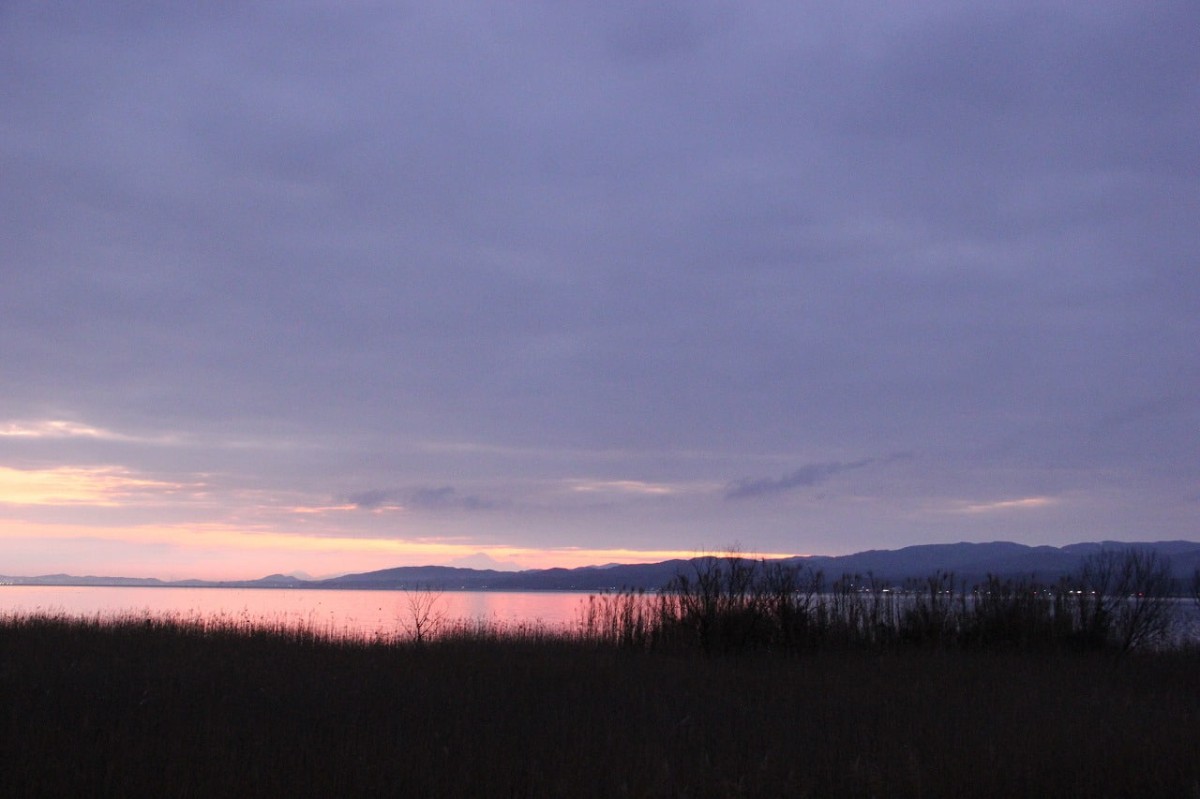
pixel 189 707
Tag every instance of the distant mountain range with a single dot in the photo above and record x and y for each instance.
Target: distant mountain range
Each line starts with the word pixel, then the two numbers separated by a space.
pixel 971 563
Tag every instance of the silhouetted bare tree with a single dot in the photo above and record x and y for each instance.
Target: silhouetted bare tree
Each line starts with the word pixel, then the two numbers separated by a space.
pixel 424 615
pixel 1126 599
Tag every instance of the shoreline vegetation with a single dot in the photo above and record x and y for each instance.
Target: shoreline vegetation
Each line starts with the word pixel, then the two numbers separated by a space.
pixel 738 680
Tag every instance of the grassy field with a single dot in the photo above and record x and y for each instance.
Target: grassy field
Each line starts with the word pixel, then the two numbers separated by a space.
pixel 137 708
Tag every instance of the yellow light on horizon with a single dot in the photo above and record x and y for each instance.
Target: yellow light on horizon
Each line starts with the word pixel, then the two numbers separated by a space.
pixel 72 485
pixel 260 548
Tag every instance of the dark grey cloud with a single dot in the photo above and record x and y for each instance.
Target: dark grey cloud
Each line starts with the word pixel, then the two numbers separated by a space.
pixel 810 474
pixel 443 497
pixel 372 499
pixel 423 498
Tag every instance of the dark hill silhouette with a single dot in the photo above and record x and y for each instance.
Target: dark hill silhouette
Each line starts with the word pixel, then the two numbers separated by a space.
pixel 970 563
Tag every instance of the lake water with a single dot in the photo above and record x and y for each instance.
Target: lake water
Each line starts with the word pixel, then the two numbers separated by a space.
pixel 366 614
pixel 353 613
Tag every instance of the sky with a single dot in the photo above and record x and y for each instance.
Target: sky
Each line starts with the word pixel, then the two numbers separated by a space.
pixel 328 287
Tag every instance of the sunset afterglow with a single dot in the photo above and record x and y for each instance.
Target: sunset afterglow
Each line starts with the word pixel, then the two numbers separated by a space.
pixel 66 485
pixel 329 288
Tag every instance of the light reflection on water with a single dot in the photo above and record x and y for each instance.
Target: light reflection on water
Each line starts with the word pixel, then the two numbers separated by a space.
pixel 365 614
pixel 354 613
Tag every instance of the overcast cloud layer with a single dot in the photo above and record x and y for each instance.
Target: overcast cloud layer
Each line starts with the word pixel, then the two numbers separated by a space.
pixel 345 286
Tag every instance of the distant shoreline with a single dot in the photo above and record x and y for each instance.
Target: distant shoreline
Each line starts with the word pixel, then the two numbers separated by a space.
pixel 970 563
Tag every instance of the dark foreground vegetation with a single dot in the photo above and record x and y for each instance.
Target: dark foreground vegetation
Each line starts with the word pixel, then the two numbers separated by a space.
pixel 1119 601
pixel 137 709
pixel 649 696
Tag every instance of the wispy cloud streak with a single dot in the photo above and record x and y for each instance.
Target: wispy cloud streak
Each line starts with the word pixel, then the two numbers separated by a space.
pixel 806 476
pixel 54 428
pixel 1025 503
pixel 421 498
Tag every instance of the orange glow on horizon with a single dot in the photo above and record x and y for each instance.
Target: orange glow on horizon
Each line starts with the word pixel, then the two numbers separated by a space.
pixel 258 552
pixel 71 485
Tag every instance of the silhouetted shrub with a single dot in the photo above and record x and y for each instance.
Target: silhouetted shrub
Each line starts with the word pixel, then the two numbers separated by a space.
pixel 1016 614
pixel 1123 599
pixel 1119 600
pixel 934 614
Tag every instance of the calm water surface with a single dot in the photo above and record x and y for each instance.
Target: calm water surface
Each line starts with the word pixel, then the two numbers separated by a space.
pixel 360 613
pixel 352 613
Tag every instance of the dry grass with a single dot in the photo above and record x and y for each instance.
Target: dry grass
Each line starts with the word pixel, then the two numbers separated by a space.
pixel 137 708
